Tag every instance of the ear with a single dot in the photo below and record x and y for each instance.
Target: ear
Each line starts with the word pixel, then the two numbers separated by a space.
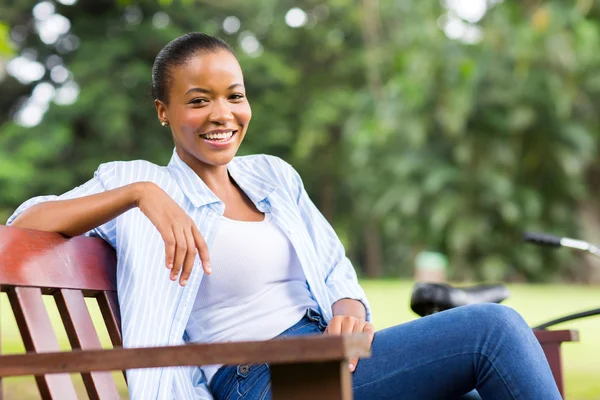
pixel 161 110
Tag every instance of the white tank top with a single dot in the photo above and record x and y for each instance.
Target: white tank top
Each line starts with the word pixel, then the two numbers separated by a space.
pixel 257 288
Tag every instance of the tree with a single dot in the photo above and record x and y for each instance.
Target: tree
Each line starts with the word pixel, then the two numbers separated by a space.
pixel 406 138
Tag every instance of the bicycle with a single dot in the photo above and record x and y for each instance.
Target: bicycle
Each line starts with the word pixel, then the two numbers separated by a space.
pixel 429 298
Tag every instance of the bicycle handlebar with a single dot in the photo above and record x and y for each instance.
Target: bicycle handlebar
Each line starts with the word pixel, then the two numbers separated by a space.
pixel 543 239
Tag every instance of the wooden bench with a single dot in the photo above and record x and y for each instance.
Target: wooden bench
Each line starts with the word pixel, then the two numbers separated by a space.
pixel 34 263
pixel 551 341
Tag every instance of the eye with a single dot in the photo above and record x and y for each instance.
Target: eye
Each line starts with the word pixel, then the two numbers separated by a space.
pixel 198 100
pixel 236 96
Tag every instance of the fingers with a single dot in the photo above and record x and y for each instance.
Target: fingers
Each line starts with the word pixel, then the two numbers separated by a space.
pixel 200 244
pixel 190 257
pixel 343 324
pixel 367 328
pixel 370 330
pixel 183 241
pixel 350 325
pixel 181 247
pixel 334 327
pixel 180 252
pixel 169 240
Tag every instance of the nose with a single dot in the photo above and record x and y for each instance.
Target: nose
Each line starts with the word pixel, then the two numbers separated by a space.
pixel 220 113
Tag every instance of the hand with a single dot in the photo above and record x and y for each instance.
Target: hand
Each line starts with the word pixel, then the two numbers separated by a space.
pixel 183 240
pixel 342 324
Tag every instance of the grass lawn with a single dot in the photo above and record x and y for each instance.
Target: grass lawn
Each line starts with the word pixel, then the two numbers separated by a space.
pixel 390 303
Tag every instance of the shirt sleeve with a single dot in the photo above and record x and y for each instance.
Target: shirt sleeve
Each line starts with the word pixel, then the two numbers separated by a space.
pixel 341 279
pixel 103 177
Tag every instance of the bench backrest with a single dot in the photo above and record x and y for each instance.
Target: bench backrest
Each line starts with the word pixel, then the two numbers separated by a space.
pixel 33 263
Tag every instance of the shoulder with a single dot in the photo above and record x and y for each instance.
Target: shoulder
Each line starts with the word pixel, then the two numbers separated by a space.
pixel 130 171
pixel 269 167
pixel 266 163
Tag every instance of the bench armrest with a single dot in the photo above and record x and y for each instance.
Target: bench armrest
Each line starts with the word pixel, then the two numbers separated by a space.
pixel 296 350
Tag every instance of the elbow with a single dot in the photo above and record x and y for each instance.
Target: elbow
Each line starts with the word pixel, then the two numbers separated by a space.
pixel 30 219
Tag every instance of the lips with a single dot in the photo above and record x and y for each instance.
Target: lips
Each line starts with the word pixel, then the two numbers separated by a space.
pixel 218 134
pixel 219 138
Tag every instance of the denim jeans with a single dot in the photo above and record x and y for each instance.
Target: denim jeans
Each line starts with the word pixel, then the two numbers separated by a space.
pixel 487 347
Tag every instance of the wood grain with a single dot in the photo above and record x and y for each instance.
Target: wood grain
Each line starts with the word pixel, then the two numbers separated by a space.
pixel 82 335
pixel 38 336
pixel 48 260
pixel 277 351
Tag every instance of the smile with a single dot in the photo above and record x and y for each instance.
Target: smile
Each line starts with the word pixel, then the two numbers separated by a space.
pixel 219 138
pixel 217 135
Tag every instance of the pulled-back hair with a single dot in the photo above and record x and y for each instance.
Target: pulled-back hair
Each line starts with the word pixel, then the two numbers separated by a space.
pixel 176 53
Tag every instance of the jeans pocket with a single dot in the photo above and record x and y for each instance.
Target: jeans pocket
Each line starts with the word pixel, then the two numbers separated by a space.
pixel 252 380
pixel 314 316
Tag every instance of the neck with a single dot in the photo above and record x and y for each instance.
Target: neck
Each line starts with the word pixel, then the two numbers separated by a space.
pixel 215 177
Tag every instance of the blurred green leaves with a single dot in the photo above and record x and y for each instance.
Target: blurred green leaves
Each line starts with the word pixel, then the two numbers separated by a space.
pixel 399 132
pixel 6 49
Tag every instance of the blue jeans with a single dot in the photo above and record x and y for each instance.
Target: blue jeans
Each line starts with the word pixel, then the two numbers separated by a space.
pixel 487 347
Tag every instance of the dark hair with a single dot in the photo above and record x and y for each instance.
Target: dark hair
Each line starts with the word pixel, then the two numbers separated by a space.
pixel 176 53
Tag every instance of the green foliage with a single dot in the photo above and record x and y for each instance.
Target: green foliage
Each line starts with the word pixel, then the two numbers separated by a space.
pixel 406 140
pixel 5 46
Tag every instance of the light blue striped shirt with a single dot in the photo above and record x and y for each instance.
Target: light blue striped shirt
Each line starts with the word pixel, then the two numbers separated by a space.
pixel 154 309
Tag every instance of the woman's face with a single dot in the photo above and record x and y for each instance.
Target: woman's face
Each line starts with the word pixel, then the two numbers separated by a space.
pixel 208 111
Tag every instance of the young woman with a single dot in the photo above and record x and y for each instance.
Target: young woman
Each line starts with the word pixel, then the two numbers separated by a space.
pixel 236 250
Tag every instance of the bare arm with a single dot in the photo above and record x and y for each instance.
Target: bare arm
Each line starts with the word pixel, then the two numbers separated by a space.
pixel 349 307
pixel 74 217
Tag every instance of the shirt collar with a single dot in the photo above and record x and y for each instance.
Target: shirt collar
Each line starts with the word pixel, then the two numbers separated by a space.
pixel 256 186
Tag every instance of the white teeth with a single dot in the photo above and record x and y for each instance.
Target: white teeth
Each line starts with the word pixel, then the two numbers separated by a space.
pixel 218 136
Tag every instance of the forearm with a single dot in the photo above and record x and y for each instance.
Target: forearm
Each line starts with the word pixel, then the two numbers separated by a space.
pixel 76 216
pixel 349 307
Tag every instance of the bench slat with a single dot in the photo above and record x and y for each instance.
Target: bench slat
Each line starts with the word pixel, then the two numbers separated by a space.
pixel 109 307
pixel 307 349
pixel 82 335
pixel 49 260
pixel 38 335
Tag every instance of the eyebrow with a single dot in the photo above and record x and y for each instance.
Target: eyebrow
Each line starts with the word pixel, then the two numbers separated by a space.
pixel 202 90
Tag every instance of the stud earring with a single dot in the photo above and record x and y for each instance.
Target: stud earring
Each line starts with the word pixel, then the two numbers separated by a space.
pixel 164 123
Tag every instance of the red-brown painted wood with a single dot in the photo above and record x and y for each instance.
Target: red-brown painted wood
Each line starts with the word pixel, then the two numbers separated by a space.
pixel 330 380
pixel 109 307
pixel 305 349
pixel 82 335
pixel 565 335
pixel 49 260
pixel 551 341
pixel 38 336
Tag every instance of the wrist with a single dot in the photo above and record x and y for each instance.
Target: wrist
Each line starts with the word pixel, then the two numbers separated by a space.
pixel 349 307
pixel 138 191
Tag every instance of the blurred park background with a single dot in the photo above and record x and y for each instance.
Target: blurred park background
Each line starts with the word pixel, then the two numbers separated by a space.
pixel 448 126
